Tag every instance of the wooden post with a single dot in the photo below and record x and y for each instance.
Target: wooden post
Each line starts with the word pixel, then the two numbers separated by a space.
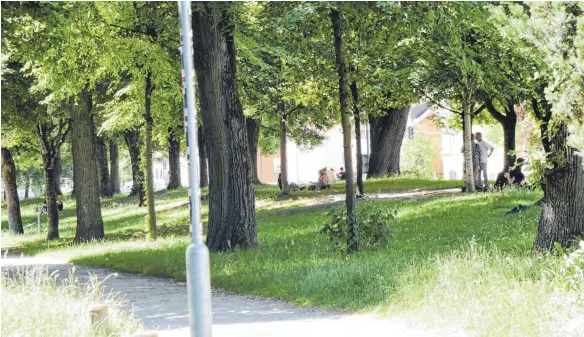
pixel 98 317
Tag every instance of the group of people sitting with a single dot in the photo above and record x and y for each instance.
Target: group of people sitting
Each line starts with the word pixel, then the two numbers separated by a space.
pixel 325 176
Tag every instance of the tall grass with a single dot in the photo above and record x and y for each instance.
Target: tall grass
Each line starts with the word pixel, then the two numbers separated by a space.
pixel 36 303
pixel 489 292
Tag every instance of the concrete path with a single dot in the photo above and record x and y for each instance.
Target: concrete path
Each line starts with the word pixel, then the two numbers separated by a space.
pixel 162 305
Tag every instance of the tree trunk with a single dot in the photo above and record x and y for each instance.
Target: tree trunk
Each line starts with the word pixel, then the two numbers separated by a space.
pixel 174 158
pixel 253 133
pixel 102 166
pixel 509 144
pixel 203 154
pixel 11 191
pixel 352 230
pixel 114 167
pixel 26 186
pixel 387 134
pixel 467 143
pixel 283 153
pixel 509 123
pixel 132 138
pixel 232 220
pixel 562 216
pixel 51 198
pixel 356 113
pixel 151 219
pixel 85 176
pixel 57 172
pixel 50 147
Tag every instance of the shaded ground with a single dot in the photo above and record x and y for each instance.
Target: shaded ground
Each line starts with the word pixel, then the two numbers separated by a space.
pixel 162 305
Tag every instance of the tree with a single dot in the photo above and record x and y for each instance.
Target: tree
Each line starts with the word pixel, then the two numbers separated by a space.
pixel 203 155
pixel 232 220
pixel 174 157
pixel 453 56
pixel 253 134
pixel 60 54
pixel 133 140
pixel 114 167
pixel 10 188
pixel 552 36
pixel 85 172
pixel 353 235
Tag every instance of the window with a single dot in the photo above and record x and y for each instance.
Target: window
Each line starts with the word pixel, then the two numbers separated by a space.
pixel 276 165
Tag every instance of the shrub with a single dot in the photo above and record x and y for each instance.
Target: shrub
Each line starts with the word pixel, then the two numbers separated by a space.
pixel 372 224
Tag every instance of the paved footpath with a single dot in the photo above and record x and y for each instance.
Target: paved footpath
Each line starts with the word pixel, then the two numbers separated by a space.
pixel 162 305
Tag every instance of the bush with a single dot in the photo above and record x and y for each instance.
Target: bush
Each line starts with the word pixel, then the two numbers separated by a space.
pixel 372 224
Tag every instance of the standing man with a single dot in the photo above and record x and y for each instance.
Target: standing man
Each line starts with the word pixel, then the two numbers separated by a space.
pixel 486 151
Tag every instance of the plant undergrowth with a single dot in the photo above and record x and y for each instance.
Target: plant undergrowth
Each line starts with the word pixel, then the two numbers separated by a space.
pixel 36 303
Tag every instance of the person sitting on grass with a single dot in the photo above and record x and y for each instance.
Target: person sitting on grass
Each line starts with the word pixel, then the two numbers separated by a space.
pixel 341 174
pixel 323 179
pixel 331 175
pixel 513 177
pixel 293 186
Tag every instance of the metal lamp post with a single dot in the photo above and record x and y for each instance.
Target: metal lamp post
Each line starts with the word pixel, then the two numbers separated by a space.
pixel 197 254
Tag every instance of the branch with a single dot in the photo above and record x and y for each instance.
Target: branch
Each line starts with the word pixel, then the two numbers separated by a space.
pixel 137 31
pixel 440 105
pixel 493 111
pixel 477 111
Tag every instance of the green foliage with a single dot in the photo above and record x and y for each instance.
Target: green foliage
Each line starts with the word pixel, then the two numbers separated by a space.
pixel 417 154
pixel 573 271
pixel 372 225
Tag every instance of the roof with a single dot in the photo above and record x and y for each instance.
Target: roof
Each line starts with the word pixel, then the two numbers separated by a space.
pixel 417 113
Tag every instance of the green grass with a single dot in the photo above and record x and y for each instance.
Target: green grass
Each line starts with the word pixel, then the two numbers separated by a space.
pixel 34 303
pixel 453 260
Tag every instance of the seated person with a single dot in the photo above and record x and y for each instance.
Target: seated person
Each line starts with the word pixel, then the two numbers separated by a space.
pixel 513 177
pixel 323 179
pixel 331 175
pixel 341 174
pixel 293 186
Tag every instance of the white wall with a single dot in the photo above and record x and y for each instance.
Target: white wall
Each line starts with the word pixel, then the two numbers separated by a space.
pixel 453 158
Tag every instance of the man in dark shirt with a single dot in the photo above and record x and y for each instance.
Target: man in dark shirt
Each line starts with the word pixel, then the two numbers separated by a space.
pixel 512 177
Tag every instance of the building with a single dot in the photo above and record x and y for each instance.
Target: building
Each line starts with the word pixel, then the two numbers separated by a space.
pixel 424 125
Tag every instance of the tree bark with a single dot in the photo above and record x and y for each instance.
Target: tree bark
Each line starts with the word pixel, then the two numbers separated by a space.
pixel 57 172
pixel 467 143
pixel 253 133
pixel 352 230
pixel 357 114
pixel 203 155
pixel 105 189
pixel 114 167
pixel 174 158
pixel 387 134
pixel 151 219
pixel 50 145
pixel 562 216
pixel 26 186
pixel 509 123
pixel 283 152
pixel 85 175
pixel 132 138
pixel 232 220
pixel 11 191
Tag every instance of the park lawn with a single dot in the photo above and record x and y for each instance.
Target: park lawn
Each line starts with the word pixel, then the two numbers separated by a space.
pixel 123 220
pixel 453 260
